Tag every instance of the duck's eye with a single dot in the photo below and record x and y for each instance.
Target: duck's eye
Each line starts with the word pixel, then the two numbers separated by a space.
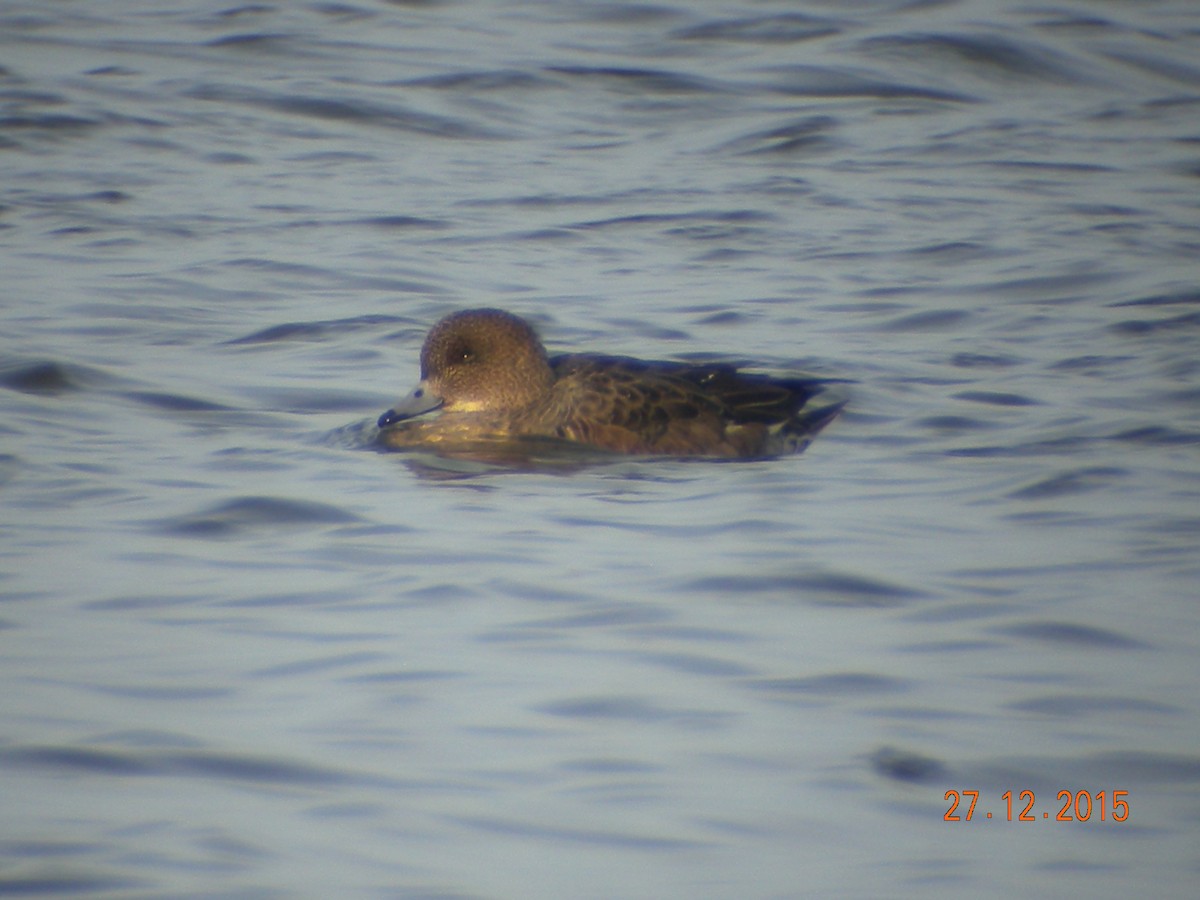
pixel 459 353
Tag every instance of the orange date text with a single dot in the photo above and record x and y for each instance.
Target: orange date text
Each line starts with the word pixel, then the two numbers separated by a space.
pixel 1070 806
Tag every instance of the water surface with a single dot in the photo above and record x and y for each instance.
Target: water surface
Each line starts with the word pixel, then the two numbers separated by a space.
pixel 244 654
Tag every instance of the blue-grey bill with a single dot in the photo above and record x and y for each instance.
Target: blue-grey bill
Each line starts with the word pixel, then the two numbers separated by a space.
pixel 420 401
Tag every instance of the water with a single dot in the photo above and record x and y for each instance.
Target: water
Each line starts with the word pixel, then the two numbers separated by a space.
pixel 245 655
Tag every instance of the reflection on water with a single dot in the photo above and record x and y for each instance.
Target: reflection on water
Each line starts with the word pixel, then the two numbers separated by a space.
pixel 244 653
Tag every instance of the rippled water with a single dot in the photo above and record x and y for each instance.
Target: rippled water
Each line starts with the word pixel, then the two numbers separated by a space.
pixel 246 655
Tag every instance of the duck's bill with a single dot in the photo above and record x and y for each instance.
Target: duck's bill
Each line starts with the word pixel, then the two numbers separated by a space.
pixel 420 401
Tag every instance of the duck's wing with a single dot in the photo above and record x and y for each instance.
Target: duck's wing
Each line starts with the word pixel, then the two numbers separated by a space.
pixel 766 414
pixel 673 407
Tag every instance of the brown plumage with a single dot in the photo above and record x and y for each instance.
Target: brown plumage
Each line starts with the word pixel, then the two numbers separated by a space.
pixel 488 378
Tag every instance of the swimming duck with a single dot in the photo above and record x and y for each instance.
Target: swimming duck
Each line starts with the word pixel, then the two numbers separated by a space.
pixel 485 376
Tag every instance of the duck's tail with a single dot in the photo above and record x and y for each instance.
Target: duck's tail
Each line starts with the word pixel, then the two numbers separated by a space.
pixel 798 430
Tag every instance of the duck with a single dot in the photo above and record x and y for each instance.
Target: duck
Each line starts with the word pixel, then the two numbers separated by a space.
pixel 486 377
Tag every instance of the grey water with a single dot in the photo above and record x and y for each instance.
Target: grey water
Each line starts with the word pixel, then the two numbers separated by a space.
pixel 244 654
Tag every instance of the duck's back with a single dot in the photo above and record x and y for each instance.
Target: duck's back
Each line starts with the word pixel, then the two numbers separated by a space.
pixel 639 406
